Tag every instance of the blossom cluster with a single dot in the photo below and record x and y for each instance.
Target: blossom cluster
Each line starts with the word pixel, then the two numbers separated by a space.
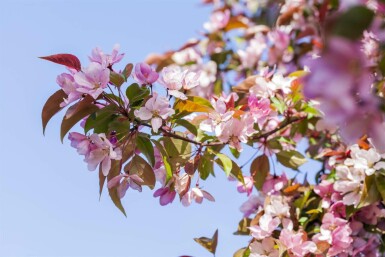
pixel 264 76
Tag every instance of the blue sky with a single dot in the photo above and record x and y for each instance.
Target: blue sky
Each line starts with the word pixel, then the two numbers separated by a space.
pixel 49 203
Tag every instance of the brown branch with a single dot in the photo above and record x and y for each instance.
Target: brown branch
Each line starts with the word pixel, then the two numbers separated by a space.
pixel 283 125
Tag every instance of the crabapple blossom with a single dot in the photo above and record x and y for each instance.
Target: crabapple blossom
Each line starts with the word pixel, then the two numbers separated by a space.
pixel 218 20
pixel 217 118
pixel 196 194
pixel 102 154
pixel 274 184
pixel 293 81
pixel 175 78
pixel 369 160
pixel 67 83
pixel 246 187
pixel 144 74
pixel 295 243
pixel 265 248
pixel 106 60
pixel 251 205
pixel 92 80
pixel 267 224
pixel 156 109
pixel 233 132
pixel 125 181
pixel 166 195
pixel 349 183
pixel 81 142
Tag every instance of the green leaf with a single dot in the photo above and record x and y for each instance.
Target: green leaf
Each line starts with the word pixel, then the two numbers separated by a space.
pixel 226 163
pixel 221 57
pixel 113 192
pixel 99 121
pixel 121 125
pixel 145 146
pixel 259 170
pixel 380 183
pixel 352 23
pixel 127 71
pixel 76 113
pixel 291 159
pixel 370 194
pixel 117 79
pixel 243 252
pixel 243 227
pixel 190 127
pixel 236 172
pixel 136 93
pixel 206 166
pixel 51 107
pixel 235 152
pixel 168 168
pixel 278 104
pixel 178 151
pixel 210 244
pixel 165 159
pixel 140 167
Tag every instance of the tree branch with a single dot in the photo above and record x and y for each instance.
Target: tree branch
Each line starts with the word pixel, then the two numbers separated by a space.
pixel 283 125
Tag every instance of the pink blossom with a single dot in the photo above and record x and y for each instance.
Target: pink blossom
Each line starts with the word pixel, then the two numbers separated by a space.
pixel 182 184
pixel 259 109
pixel 369 214
pixel 102 154
pixel 92 80
pixel 125 181
pixel 371 47
pixel 81 142
pixel 267 224
pixel 196 194
pixel 234 132
pixel 349 183
pixel 247 187
pixel 368 160
pixel 265 248
pixel 216 118
pixel 253 52
pixel 157 108
pixel 174 78
pixel 296 243
pixel 251 205
pixel 341 81
pixel 277 205
pixel 326 191
pixel 144 74
pixel 106 60
pixel 218 20
pixel 336 232
pixel 166 195
pixel 187 55
pixel 67 83
pixel 274 184
pixel 160 174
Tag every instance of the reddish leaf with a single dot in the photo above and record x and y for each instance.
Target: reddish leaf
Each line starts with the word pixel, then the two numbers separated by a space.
pixel 51 107
pixel 68 60
pixel 259 170
pixel 127 70
pixel 76 113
